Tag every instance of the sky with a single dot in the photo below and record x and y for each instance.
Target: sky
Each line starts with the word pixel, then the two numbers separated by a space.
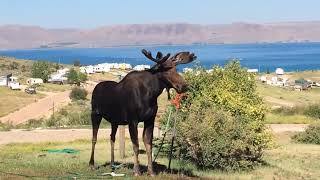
pixel 94 13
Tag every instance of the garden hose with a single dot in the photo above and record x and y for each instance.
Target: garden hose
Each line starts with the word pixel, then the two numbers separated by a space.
pixel 165 132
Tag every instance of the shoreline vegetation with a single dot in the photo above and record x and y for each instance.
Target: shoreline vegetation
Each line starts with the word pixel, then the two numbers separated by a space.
pixel 286 158
pixel 273 96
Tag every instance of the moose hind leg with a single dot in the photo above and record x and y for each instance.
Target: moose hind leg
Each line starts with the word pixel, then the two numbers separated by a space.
pixel 112 141
pixel 96 120
pixel 133 129
pixel 147 140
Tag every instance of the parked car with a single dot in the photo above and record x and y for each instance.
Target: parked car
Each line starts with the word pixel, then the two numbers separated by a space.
pixel 31 90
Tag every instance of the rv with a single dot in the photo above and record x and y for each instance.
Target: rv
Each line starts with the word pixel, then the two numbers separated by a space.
pixel 32 81
pixel 13 83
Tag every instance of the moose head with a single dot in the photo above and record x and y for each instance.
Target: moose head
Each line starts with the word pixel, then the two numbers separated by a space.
pixel 165 68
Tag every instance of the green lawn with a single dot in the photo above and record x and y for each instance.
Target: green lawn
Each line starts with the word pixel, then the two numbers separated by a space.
pixel 287 160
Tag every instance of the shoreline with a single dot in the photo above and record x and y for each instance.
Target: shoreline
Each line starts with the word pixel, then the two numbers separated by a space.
pixel 159 45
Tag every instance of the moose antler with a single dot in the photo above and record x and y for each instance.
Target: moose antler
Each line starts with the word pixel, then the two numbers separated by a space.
pixel 159 58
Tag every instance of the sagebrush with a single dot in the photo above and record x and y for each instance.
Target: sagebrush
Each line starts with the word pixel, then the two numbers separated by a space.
pixel 78 93
pixel 310 136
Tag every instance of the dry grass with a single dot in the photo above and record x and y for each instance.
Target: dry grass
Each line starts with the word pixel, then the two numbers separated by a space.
pixel 107 76
pixel 54 87
pixel 287 160
pixel 11 100
pixel 284 95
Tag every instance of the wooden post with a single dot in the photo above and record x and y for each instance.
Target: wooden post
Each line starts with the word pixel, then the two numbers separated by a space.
pixel 53 109
pixel 122 139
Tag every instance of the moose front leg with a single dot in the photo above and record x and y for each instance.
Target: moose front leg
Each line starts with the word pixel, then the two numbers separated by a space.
pixel 133 129
pixel 147 139
pixel 112 141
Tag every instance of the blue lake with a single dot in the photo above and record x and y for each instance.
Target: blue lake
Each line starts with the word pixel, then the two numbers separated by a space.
pixel 290 56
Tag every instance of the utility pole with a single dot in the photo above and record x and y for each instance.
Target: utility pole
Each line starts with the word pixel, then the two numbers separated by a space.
pixel 53 109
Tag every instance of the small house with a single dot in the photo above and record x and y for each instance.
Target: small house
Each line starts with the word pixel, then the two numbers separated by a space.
pixel 252 70
pixel 263 79
pixel 104 67
pixel 87 69
pixel 124 66
pixel 141 67
pixel 4 79
pixel 279 71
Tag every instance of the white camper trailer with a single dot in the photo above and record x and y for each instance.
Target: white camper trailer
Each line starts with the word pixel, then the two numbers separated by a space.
pixel 13 83
pixel 32 81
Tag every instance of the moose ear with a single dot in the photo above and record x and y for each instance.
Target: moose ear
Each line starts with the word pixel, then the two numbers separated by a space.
pixel 183 58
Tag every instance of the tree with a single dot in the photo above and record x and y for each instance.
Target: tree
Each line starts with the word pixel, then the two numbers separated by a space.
pixel 76 77
pixel 76 63
pixel 41 69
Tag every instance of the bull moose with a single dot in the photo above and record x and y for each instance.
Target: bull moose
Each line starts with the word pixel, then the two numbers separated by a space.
pixel 134 100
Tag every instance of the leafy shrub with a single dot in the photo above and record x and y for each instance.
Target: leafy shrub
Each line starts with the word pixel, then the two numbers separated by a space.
pixel 76 77
pixel 310 136
pixel 78 93
pixel 41 69
pixel 313 111
pixel 77 113
pixel 221 123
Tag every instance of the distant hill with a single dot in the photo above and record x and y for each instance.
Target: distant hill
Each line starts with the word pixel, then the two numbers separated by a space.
pixel 18 36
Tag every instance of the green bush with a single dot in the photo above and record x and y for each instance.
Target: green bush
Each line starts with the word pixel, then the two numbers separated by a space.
pixel 221 123
pixel 76 77
pixel 41 69
pixel 313 111
pixel 310 136
pixel 78 93
pixel 77 113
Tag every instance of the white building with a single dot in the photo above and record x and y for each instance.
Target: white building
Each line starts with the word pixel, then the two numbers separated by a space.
pixel 263 79
pixel 125 66
pixel 252 70
pixel 4 80
pixel 279 71
pixel 141 67
pixel 87 69
pixel 187 70
pixel 104 67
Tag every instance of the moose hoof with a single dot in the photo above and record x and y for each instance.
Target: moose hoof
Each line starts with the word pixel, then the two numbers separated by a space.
pixel 152 174
pixel 137 174
pixel 93 167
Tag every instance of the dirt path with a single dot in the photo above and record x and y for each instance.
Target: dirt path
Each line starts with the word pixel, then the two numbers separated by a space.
pixel 38 109
pixel 279 128
pixel 64 135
